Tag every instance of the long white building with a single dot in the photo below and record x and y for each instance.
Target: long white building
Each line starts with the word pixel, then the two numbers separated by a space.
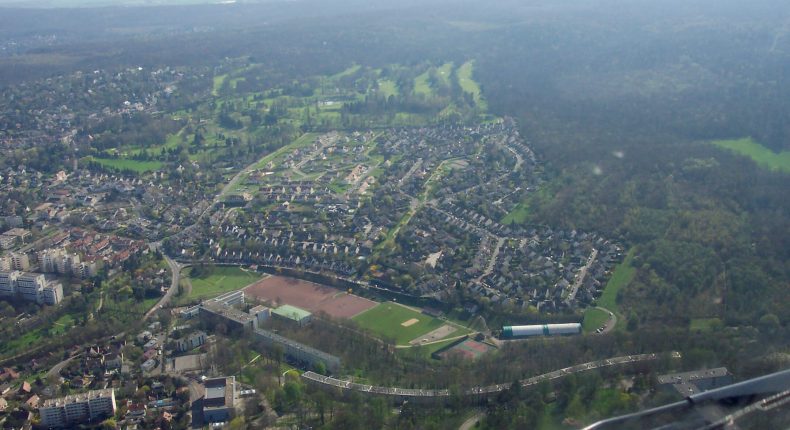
pixel 68 411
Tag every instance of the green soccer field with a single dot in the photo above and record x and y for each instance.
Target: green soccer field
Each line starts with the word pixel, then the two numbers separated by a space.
pixel 387 320
pixel 221 280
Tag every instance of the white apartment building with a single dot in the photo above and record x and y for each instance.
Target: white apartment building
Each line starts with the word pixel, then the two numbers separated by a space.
pixel 78 408
pixel 31 287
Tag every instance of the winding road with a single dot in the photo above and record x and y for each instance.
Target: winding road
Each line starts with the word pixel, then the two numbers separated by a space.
pixel 175 277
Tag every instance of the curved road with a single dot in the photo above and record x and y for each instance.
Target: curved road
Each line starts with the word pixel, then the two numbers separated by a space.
pixel 175 270
pixel 611 322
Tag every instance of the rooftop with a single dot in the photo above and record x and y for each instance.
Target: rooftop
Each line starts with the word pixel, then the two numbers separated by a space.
pixel 78 398
pixel 228 312
pixel 219 392
pixel 291 312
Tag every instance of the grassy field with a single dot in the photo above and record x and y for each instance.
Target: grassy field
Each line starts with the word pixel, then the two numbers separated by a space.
pixel 444 73
pixel 421 85
pixel 760 154
pixel 704 324
pixel 351 70
pixel 222 280
pixel 386 319
pixel 593 319
pixel 518 215
pixel 623 274
pixel 218 81
pixel 126 164
pixel 388 87
pixel 468 84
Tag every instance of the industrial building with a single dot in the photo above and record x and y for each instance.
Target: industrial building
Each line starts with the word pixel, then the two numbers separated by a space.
pixel 219 401
pixel 76 409
pixel 541 330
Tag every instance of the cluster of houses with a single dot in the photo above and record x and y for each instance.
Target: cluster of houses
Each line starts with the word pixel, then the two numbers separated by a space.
pixel 452 185
pixel 43 112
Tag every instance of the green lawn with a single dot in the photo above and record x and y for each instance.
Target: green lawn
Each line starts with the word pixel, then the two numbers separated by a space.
pixel 126 164
pixel 351 70
pixel 760 154
pixel 218 81
pixel 623 274
pixel 421 85
pixel 468 84
pixel 593 319
pixel 444 73
pixel 705 324
pixel 388 87
pixel 518 215
pixel 222 280
pixel 62 325
pixel 386 319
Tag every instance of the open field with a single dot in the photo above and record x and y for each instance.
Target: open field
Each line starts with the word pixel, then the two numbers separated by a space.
pixel 127 164
pixel 308 295
pixel 444 72
pixel 518 215
pixel 622 275
pixel 593 319
pixel 468 84
pixel 387 320
pixel 705 324
pixel 218 81
pixel 388 87
pixel 222 280
pixel 421 85
pixel 760 154
pixel 349 71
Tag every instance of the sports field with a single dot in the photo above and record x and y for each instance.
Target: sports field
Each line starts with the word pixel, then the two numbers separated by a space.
pixel 221 280
pixel 397 322
pixel 308 295
pixel 467 350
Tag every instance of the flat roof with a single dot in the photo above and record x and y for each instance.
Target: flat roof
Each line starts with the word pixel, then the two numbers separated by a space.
pixel 291 312
pixel 78 398
pixel 219 392
pixel 228 312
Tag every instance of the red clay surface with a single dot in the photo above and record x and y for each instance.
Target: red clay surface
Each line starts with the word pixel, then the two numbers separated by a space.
pixel 309 296
pixel 467 350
